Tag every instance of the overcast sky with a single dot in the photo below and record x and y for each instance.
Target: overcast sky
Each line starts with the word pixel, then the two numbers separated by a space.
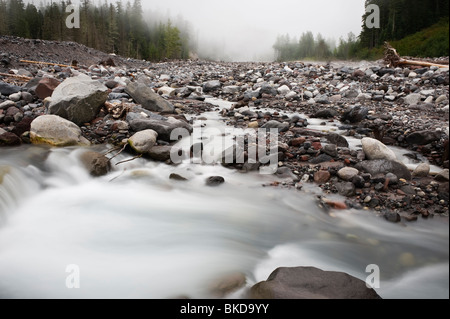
pixel 247 29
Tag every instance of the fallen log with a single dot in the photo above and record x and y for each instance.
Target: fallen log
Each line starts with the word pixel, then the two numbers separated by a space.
pixel 395 60
pixel 46 63
pixel 20 77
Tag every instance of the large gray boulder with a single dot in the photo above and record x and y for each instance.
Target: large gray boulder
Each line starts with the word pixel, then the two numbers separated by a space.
pixel 56 131
pixel 78 99
pixel 311 283
pixel 375 150
pixel 149 100
pixel 384 167
pixel 164 128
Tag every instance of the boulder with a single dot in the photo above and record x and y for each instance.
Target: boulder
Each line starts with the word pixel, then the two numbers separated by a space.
pixel 8 89
pixel 384 167
pixel 9 139
pixel 164 128
pixel 46 87
pixel 347 173
pixel 12 114
pixel 231 89
pixel 325 114
pixel 321 177
pixel 215 181
pixel 78 99
pixel 322 99
pixel 337 139
pixel 330 149
pixel 311 283
pixel 423 137
pixel 282 127
pixel 443 176
pixel 16 97
pixel 160 153
pixel 7 104
pixel 346 189
pixel 23 126
pixel 143 141
pixel 422 170
pixel 268 89
pixel 355 114
pixel 413 99
pixel 56 131
pixel 149 100
pixel 375 150
pixel 283 90
pixel 211 85
pixel 97 164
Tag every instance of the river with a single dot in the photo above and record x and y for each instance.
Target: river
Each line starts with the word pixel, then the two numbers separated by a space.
pixel 135 233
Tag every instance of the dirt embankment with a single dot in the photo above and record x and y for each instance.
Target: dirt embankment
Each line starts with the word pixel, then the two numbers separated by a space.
pixel 14 49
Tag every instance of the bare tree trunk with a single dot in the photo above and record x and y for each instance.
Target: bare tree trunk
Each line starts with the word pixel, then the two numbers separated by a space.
pixel 394 59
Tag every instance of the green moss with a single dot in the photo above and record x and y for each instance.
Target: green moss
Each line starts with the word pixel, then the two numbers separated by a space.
pixel 39 140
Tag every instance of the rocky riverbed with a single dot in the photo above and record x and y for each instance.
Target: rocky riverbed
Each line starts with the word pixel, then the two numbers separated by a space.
pixel 346 130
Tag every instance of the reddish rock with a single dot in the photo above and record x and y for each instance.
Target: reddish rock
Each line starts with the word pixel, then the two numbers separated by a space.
pixel 336 205
pixel 317 145
pixel 289 155
pixel 304 158
pixel 358 74
pixel 23 126
pixel 321 177
pixel 9 139
pixel 45 87
pixel 298 141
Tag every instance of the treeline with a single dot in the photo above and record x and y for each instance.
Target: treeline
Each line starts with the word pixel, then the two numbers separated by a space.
pixel 398 19
pixel 113 28
pixel 314 47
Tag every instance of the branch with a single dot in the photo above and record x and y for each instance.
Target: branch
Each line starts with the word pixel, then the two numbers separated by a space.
pixel 46 63
pixel 131 159
pixel 123 148
pixel 20 77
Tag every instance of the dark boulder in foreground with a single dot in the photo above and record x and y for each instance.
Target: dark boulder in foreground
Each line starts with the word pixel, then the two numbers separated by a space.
pixel 311 283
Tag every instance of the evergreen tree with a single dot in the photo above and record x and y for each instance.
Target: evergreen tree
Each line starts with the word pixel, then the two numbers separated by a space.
pixel 107 27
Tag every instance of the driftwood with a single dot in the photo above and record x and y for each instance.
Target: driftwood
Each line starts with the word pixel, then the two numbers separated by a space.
pixel 46 63
pixel 395 60
pixel 20 77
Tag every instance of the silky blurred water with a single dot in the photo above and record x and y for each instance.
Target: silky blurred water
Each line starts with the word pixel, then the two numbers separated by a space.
pixel 137 234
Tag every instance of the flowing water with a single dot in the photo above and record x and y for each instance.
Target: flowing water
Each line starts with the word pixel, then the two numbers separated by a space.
pixel 137 234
